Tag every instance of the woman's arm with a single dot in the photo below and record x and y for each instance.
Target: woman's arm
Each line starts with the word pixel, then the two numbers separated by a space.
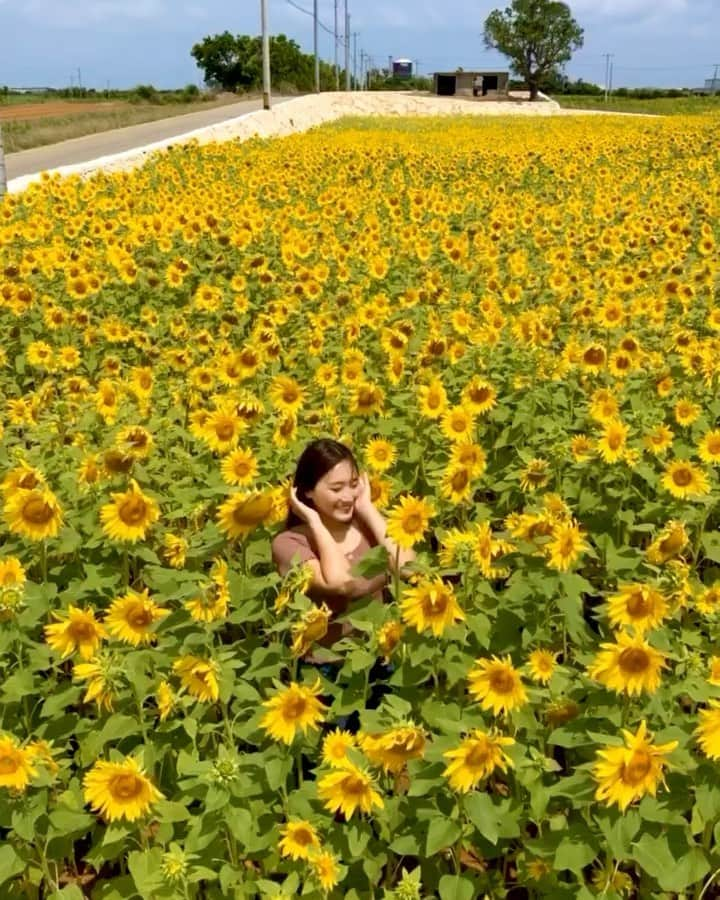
pixel 375 521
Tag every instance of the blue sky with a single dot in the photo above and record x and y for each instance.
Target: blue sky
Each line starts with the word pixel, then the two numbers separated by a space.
pixel 128 42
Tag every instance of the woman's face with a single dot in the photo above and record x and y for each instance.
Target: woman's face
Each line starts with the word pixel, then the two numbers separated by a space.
pixel 335 493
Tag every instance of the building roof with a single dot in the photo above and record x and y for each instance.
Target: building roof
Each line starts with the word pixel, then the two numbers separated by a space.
pixel 474 72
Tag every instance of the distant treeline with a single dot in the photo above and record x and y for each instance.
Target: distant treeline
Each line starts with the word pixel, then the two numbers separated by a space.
pixel 138 94
pixel 557 84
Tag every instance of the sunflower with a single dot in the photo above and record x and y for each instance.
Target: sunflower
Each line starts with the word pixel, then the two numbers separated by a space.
pixel 487 550
pixel 392 749
pixel 432 399
pixel 199 677
pixel 611 446
pixel 430 606
pixel 479 395
pixel 119 790
pixel 212 601
pixel 456 484
pixel 241 513
pixel 292 708
pixel 34 514
pixel 129 516
pixel 134 441
pixel 659 439
pixel 165 699
pixel 625 774
pixel 103 680
pixel 669 544
pixel 78 630
pixel 714 676
pixel 239 467
pixel 709 448
pixel 131 618
pixel 324 867
pixel 535 475
pixel 629 666
pixel 221 430
pixel 477 757
pixel 708 730
pixel 468 456
pixel 347 790
pixel 686 412
pixel 581 447
pixel 542 665
pixel 709 600
pixel 367 399
pixel 335 748
pixel 312 627
pixel 299 839
pixel 380 454
pixel 286 394
pixel 12 573
pixel 389 636
pixel 408 520
pixel 17 767
pixel 175 549
pixel 497 685
pixel 566 545
pixel 639 605
pixel 682 479
pixel 457 423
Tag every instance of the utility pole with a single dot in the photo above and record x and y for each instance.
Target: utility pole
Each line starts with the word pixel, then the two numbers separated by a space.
pixel 337 67
pixel 315 45
pixel 3 170
pixel 265 54
pixel 611 79
pixel 79 78
pixel 715 79
pixel 355 80
pixel 347 47
pixel 608 57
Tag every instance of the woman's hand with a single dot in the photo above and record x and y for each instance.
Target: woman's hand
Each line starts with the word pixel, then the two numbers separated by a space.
pixel 305 512
pixel 363 501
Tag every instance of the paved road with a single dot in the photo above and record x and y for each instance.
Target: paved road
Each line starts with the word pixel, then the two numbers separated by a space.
pixel 105 143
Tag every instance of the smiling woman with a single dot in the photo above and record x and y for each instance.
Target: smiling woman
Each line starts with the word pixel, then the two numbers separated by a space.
pixel 331 526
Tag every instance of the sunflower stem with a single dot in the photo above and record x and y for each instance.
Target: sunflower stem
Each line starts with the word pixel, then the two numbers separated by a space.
pixel 43 561
pixel 299 765
pixel 126 568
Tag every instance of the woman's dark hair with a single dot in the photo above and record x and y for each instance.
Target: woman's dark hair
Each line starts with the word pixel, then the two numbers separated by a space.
pixel 315 461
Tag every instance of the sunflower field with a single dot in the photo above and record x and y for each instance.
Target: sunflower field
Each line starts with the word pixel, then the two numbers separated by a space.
pixel 516 326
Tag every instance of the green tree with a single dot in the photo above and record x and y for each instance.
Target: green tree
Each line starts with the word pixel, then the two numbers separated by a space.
pixel 538 36
pixel 233 62
pixel 229 61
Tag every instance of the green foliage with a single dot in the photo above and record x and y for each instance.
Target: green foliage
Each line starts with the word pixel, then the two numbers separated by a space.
pixel 234 62
pixel 538 36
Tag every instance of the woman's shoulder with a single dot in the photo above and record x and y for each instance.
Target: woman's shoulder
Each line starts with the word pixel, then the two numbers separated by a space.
pixel 291 540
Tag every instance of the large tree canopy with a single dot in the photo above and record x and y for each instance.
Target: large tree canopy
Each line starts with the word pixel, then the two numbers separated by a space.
pixel 235 61
pixel 538 36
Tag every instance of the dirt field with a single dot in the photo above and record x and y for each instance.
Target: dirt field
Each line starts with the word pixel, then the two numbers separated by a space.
pixel 20 111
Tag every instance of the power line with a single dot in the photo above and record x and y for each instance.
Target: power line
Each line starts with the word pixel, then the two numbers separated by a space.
pixel 309 12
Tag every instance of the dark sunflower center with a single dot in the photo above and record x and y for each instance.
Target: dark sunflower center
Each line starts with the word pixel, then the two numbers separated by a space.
pixel 294 707
pixel 8 765
pixel 125 787
pixel 478 755
pixel 502 682
pixel 638 605
pixel 682 477
pixel 224 430
pixel 133 510
pixel 634 660
pixel 139 617
pixel 37 511
pixel 637 768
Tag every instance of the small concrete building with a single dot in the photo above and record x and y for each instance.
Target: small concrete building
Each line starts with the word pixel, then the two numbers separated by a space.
pixel 471 84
